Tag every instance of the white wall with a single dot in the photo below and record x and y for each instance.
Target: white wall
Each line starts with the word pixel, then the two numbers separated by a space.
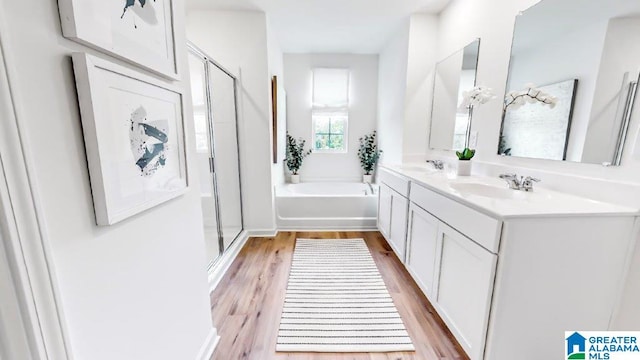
pixel 363 97
pixel 392 78
pixel 407 66
pixel 420 75
pixel 135 290
pixel 276 68
pixel 238 41
pixel 493 21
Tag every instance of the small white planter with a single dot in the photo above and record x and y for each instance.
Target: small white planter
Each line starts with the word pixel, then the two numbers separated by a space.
pixel 464 167
pixel 295 179
pixel 367 179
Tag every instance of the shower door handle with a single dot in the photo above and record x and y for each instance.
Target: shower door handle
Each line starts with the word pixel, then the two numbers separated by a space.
pixel 211 165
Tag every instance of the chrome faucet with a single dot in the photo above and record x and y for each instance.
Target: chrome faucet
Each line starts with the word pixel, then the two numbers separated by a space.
pixel 373 192
pixel 438 164
pixel 512 180
pixel 516 182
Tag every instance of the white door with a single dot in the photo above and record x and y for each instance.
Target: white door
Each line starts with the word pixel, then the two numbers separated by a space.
pixel 398 228
pixel 465 286
pixel 384 210
pixel 423 255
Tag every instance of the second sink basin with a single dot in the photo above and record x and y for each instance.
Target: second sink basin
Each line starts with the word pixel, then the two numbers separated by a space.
pixel 489 191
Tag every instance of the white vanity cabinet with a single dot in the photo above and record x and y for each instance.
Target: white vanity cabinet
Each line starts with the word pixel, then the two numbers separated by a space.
pixel 393 205
pixel 455 273
pixel 508 273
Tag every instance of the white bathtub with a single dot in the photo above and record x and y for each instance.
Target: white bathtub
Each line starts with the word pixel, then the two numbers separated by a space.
pixel 326 206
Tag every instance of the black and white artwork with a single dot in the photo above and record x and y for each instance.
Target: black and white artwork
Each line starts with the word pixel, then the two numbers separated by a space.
pixel 139 31
pixel 133 130
pixel 536 130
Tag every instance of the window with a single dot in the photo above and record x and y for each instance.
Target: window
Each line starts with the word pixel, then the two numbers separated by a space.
pixel 330 110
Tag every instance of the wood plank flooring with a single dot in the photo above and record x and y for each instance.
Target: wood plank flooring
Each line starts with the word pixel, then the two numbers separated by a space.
pixel 247 304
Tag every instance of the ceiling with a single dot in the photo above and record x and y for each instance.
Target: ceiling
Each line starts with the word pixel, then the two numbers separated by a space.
pixel 330 26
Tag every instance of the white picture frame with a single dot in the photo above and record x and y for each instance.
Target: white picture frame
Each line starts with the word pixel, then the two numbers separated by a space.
pixel 138 31
pixel 133 126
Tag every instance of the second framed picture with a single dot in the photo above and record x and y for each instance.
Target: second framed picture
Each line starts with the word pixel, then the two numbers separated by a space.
pixel 138 31
pixel 134 136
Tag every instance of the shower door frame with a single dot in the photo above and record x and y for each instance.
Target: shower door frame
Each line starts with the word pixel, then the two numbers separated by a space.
pixel 207 60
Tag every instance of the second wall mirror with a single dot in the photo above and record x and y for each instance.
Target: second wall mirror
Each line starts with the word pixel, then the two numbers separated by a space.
pixel 454 75
pixel 572 81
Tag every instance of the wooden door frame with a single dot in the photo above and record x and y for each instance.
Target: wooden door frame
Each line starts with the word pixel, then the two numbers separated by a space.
pixel 25 238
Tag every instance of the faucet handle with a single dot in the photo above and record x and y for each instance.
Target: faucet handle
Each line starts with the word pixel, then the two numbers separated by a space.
pixel 508 176
pixel 438 164
pixel 527 183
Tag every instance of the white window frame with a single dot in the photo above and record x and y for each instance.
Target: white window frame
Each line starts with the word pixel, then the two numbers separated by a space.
pixel 345 141
pixel 324 111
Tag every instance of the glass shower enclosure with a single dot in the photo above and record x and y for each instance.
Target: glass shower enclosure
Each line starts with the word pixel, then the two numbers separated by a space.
pixel 214 92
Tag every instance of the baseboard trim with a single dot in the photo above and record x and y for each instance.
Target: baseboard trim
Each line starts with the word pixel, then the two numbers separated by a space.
pixel 316 229
pixel 263 233
pixel 222 265
pixel 209 346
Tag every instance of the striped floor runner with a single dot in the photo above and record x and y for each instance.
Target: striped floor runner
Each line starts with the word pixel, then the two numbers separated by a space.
pixel 336 301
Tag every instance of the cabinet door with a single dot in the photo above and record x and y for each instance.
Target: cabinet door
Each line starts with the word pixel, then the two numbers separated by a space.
pixel 465 286
pixel 384 210
pixel 398 231
pixel 423 253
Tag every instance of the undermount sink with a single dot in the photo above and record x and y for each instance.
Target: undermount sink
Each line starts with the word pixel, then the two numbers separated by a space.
pixel 489 191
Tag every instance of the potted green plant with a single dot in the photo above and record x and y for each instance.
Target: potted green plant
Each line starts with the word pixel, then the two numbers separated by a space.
pixel 369 154
pixel 464 161
pixel 295 155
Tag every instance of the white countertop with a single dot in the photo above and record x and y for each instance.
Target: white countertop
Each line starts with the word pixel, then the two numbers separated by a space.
pixel 501 202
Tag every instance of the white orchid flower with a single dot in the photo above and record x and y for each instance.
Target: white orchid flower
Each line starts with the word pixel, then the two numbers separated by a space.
pixel 475 97
pixel 530 94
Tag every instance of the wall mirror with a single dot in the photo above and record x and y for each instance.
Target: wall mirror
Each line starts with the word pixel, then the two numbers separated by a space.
pixel 572 81
pixel 454 75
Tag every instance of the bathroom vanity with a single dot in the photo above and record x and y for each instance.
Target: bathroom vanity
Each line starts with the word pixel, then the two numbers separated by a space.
pixel 508 271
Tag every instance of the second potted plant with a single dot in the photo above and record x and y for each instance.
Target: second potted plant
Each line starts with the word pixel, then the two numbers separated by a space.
pixel 369 154
pixel 464 161
pixel 295 155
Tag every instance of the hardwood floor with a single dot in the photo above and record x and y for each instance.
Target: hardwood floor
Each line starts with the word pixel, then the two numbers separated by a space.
pixel 246 306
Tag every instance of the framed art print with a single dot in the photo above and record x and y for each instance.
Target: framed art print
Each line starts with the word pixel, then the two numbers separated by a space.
pixel 134 138
pixel 138 31
pixel 274 116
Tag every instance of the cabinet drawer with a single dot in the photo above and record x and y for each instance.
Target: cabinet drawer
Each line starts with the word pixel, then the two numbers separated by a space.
pixel 477 226
pixel 397 182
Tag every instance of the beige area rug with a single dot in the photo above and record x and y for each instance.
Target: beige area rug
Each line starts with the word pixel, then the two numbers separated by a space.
pixel 336 301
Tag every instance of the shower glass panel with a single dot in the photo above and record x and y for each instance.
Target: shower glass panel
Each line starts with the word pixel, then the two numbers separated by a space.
pixel 226 159
pixel 204 155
